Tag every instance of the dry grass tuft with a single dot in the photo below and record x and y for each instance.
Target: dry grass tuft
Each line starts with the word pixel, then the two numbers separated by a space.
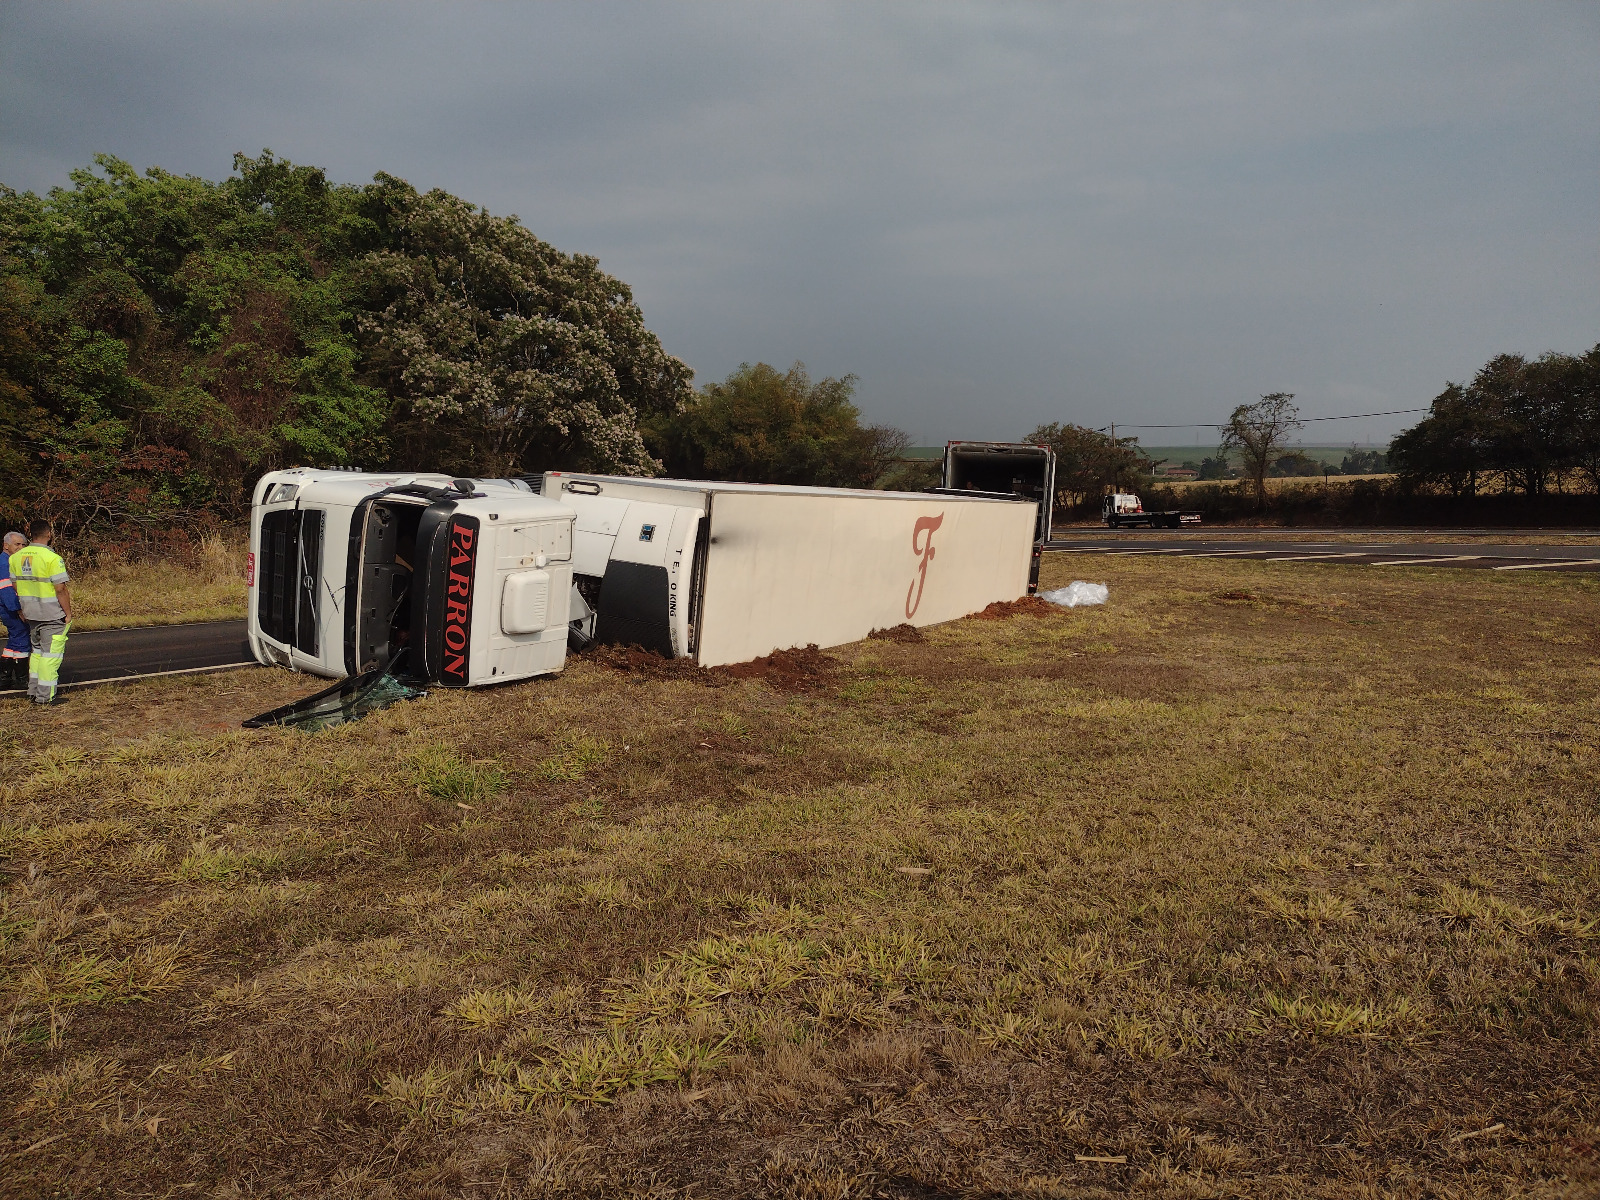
pixel 1264 879
pixel 206 584
pixel 908 634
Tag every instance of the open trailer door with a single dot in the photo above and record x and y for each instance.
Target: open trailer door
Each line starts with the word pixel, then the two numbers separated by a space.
pixel 1006 471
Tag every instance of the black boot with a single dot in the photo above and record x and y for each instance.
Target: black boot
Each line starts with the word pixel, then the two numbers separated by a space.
pixel 15 676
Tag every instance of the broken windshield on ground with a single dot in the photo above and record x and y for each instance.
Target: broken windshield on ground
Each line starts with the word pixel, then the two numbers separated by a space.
pixel 348 700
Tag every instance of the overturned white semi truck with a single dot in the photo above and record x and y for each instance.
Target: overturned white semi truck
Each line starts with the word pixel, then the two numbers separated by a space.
pixel 485 581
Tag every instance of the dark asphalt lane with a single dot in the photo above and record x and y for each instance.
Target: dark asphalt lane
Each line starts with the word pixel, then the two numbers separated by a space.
pixel 1484 555
pixel 107 654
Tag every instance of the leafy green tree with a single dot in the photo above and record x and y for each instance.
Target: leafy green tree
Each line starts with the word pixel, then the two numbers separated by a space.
pixel 1364 462
pixel 762 425
pixel 1530 424
pixel 1089 462
pixel 1296 464
pixel 1582 412
pixel 196 337
pixel 1256 433
pixel 1447 448
pixel 165 339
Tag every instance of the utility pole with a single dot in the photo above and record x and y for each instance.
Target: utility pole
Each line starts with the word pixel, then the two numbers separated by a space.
pixel 1113 456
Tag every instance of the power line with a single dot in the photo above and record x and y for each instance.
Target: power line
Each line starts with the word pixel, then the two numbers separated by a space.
pixel 1303 420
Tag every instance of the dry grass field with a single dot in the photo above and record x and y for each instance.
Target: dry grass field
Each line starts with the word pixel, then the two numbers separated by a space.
pixel 1269 880
pixel 205 584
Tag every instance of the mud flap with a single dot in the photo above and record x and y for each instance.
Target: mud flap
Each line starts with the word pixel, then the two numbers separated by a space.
pixel 633 607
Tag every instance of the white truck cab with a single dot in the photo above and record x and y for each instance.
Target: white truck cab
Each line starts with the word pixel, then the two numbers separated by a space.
pixel 471 577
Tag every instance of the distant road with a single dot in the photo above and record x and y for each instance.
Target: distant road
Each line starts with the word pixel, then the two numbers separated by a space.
pixel 1296 546
pixel 106 654
pixel 1296 532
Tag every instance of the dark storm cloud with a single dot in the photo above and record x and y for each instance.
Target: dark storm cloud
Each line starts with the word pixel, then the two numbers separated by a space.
pixel 995 215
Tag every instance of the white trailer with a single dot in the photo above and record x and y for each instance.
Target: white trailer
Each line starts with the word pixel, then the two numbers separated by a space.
pixel 726 572
pixel 483 581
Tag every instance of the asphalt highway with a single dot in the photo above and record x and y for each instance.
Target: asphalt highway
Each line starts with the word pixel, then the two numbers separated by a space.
pixel 108 654
pixel 1480 554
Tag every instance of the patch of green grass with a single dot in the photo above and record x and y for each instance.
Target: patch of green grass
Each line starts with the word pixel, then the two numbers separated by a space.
pixel 595 1070
pixel 577 756
pixel 441 772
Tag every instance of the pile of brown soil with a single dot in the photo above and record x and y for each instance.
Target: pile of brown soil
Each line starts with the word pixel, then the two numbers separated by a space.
pixel 899 633
pixel 800 670
pixel 634 660
pixel 1001 610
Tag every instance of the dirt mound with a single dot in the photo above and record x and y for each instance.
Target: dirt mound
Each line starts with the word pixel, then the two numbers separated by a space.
pixel 1002 610
pixel 785 670
pixel 635 660
pixel 899 633
pixel 799 670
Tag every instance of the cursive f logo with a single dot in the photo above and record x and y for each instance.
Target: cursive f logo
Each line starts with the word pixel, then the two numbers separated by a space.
pixel 925 553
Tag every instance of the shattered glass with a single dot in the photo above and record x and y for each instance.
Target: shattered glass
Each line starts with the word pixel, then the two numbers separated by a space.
pixel 348 700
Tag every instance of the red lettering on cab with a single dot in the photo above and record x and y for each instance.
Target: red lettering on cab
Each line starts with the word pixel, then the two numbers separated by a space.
pixel 455 667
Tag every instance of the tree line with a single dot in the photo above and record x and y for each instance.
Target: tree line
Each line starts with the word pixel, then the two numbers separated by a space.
pixel 167 339
pixel 1530 426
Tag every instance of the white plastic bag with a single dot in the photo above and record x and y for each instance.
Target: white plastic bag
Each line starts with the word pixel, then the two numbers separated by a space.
pixel 1077 592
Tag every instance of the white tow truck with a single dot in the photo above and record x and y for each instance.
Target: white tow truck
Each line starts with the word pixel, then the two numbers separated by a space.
pixel 482 581
pixel 1124 510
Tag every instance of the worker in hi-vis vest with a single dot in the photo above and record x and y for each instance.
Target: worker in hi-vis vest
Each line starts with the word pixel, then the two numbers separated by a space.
pixel 14 658
pixel 40 578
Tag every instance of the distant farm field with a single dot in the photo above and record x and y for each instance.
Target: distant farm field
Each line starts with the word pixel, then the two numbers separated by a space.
pixel 1274 880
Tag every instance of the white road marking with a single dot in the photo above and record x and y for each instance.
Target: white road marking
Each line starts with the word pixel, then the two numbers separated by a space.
pixel 1125 553
pixel 1556 562
pixel 1228 553
pixel 1313 557
pixel 1443 558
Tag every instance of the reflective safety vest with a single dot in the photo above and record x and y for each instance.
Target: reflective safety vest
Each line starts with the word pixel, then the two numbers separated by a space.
pixel 35 571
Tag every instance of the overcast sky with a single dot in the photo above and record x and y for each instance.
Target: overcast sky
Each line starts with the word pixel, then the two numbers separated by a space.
pixel 994 215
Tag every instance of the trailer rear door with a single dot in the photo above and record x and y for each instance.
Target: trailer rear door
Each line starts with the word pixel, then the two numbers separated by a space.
pixel 1002 469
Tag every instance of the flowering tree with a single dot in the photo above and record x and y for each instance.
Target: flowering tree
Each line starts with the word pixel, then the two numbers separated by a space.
pixel 505 353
